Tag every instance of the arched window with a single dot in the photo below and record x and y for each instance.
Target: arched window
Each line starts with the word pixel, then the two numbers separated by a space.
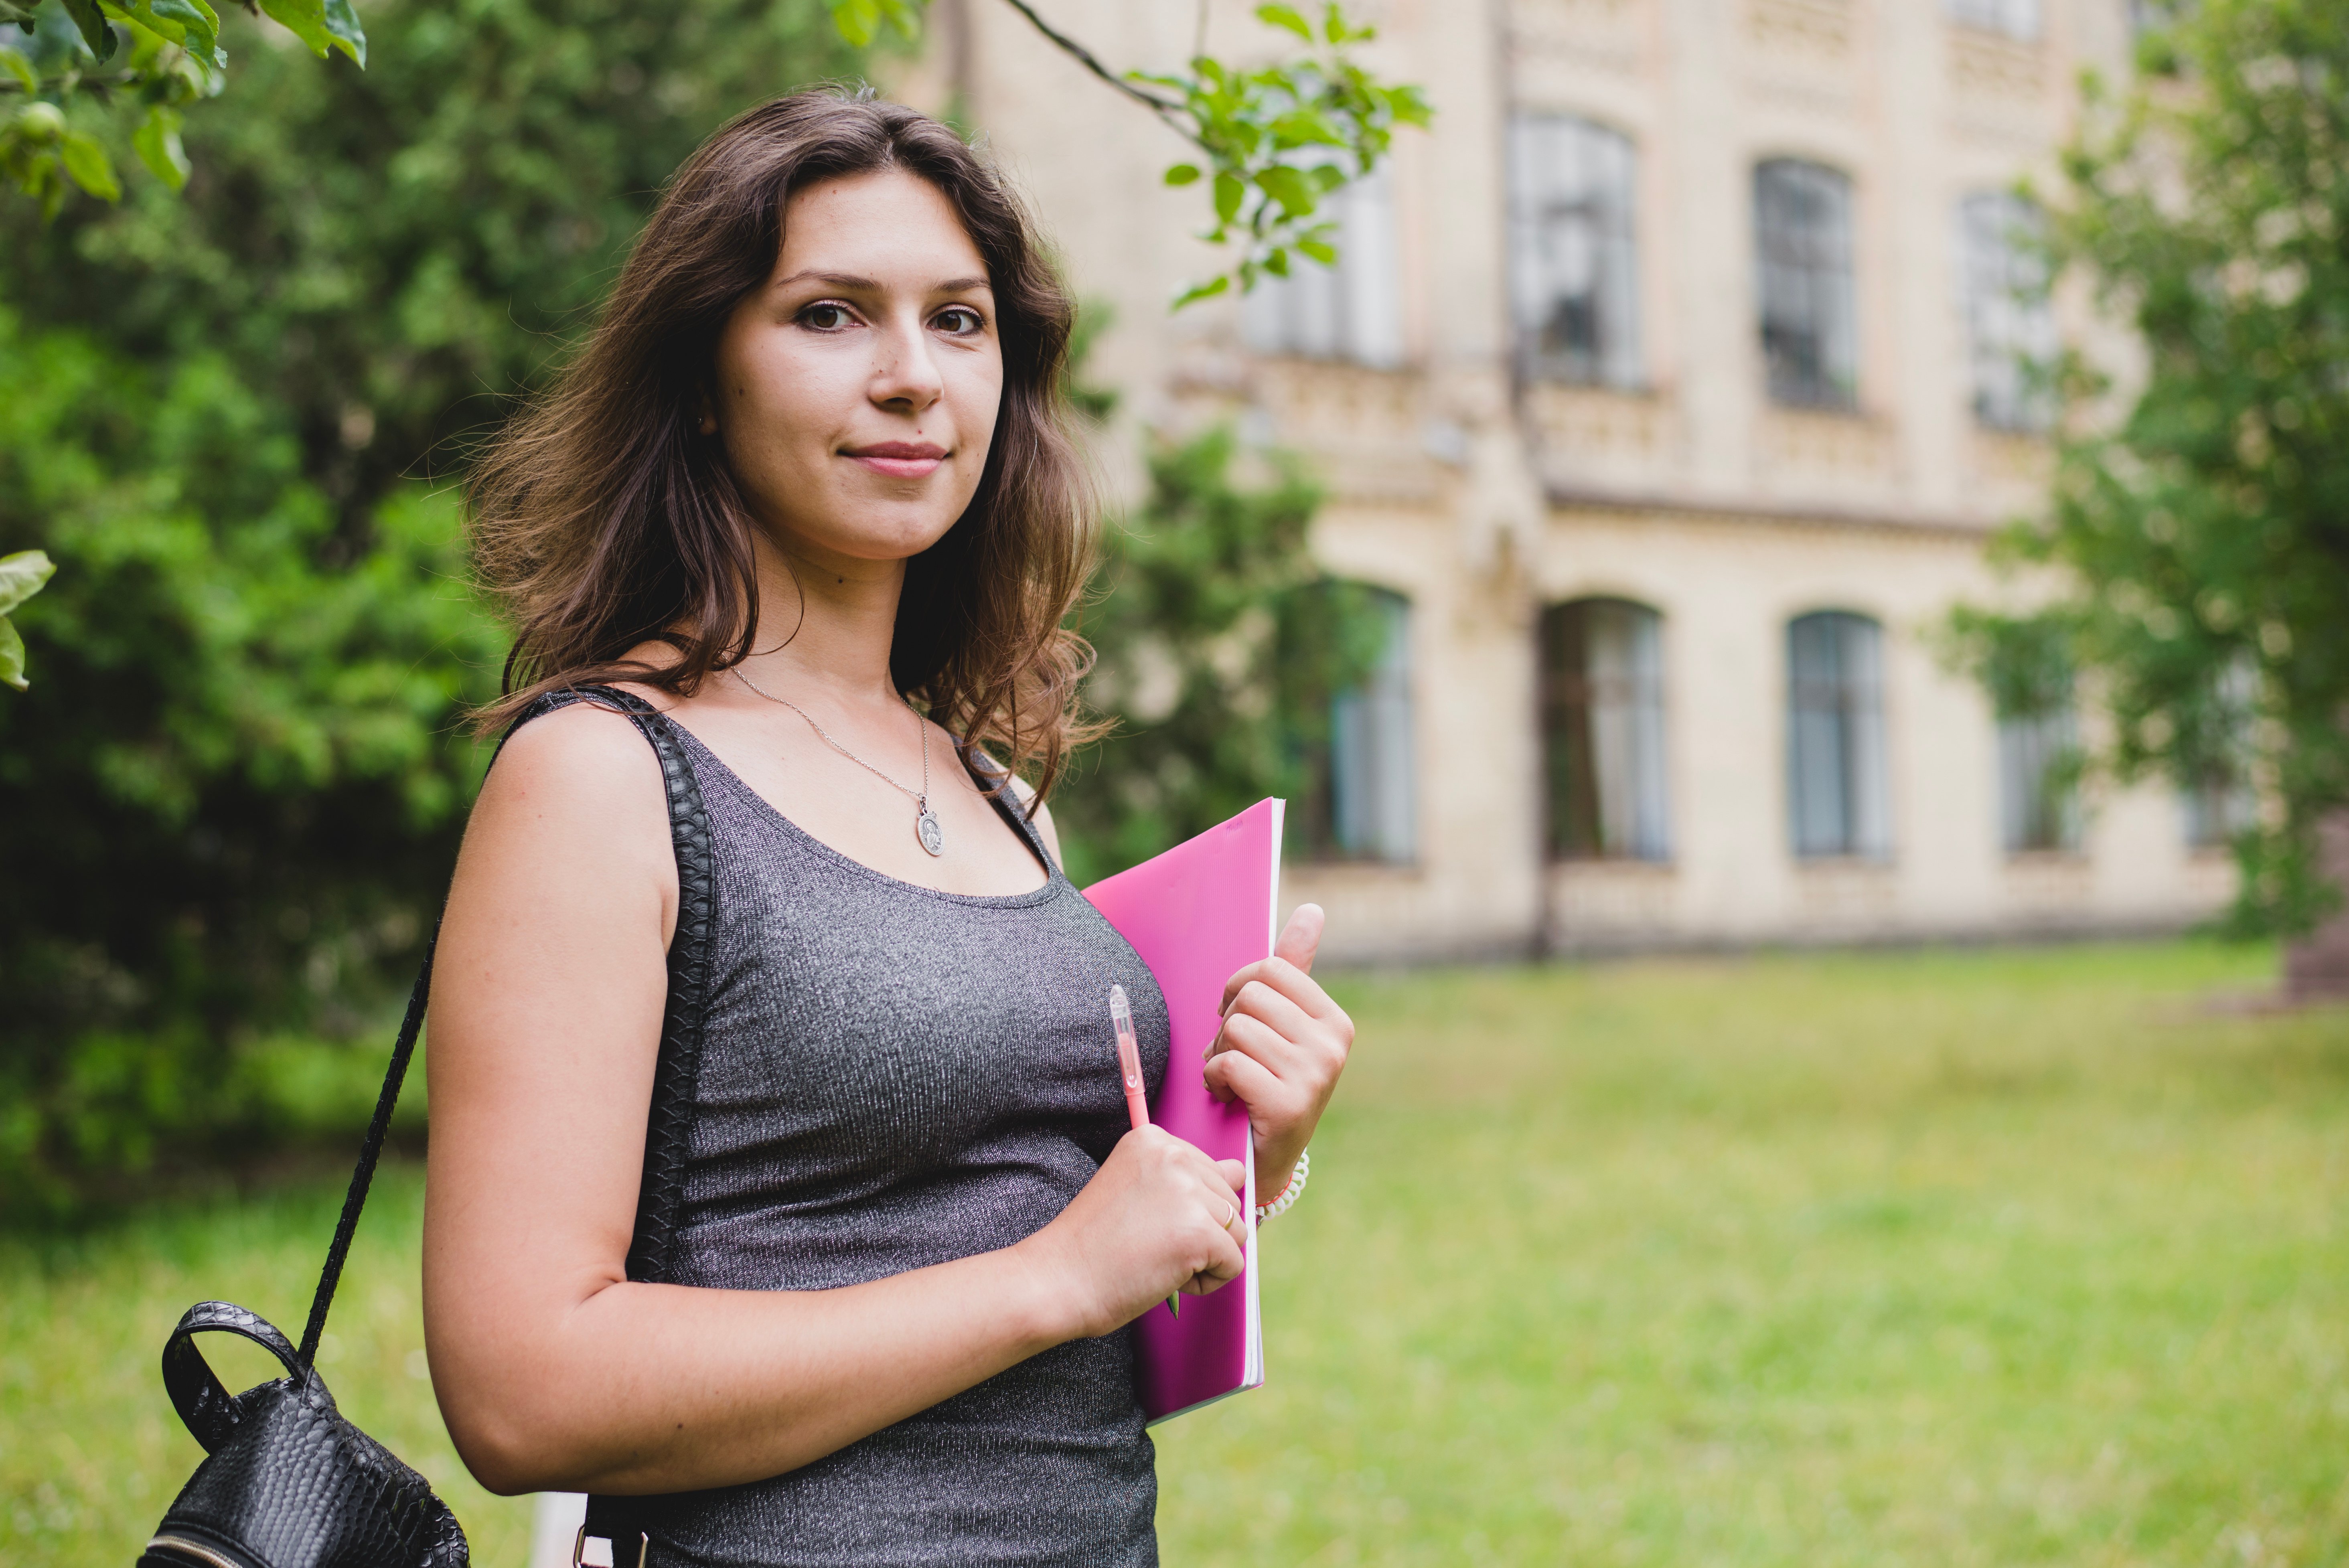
pixel 1802 241
pixel 1573 267
pixel 1349 311
pixel 1602 693
pixel 1836 786
pixel 2010 331
pixel 1361 802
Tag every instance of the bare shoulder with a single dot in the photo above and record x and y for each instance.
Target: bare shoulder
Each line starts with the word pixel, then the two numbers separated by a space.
pixel 576 799
pixel 585 758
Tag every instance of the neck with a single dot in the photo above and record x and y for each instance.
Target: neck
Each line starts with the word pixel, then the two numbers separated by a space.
pixel 826 622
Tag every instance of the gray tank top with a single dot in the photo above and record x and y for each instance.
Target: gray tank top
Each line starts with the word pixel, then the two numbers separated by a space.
pixel 893 1077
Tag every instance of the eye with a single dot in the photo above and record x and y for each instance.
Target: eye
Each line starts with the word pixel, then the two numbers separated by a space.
pixel 827 316
pixel 958 319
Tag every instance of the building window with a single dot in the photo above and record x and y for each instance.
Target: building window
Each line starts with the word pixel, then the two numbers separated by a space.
pixel 1835 772
pixel 1350 311
pixel 2010 330
pixel 1372 810
pixel 2038 773
pixel 1602 686
pixel 1572 263
pixel 1802 232
pixel 2015 18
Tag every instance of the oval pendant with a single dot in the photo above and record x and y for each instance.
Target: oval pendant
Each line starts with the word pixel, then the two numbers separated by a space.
pixel 927 828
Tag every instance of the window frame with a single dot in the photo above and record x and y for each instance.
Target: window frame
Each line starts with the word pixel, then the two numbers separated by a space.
pixel 1852 729
pixel 1605 177
pixel 1814 269
pixel 1581 722
pixel 1361 296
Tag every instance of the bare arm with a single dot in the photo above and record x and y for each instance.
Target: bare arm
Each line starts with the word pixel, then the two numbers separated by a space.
pixel 553 1370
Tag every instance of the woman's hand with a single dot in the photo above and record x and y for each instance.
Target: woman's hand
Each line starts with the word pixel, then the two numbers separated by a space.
pixel 1159 1216
pixel 1282 1046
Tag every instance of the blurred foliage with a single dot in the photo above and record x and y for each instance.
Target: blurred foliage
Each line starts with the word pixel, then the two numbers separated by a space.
pixel 1274 141
pixel 2202 500
pixel 222 410
pixel 1220 646
pixel 138 66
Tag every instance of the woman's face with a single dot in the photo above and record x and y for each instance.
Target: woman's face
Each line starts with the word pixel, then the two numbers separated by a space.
pixel 856 390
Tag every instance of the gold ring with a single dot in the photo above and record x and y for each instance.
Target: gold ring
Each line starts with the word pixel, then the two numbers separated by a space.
pixel 1230 1215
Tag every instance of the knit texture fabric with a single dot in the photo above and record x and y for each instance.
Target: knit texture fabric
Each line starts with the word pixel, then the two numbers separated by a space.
pixel 893 1077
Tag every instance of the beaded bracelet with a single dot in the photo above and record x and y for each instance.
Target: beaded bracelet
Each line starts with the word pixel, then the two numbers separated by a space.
pixel 1280 1205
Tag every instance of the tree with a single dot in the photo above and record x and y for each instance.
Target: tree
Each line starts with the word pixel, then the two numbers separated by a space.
pixel 2200 508
pixel 231 416
pixel 156 57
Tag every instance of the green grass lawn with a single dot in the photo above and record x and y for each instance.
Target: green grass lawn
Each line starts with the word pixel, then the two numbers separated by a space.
pixel 1990 1257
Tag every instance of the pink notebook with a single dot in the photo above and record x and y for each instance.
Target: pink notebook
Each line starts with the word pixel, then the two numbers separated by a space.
pixel 1197 914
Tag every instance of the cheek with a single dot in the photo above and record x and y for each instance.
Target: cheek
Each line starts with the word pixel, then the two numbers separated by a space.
pixel 978 398
pixel 778 401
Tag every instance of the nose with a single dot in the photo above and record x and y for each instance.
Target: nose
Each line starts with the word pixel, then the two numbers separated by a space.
pixel 906 378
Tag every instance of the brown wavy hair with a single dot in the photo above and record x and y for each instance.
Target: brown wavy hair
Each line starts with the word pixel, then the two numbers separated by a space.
pixel 603 518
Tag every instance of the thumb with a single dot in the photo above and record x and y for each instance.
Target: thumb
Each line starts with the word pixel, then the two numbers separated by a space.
pixel 1301 939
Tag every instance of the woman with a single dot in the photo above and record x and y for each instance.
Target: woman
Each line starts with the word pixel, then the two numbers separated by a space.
pixel 812 464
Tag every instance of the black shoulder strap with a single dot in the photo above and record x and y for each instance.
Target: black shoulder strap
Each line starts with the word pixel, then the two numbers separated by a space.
pixel 652 1249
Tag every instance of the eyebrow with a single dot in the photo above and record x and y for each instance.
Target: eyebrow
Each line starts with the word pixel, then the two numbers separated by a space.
pixel 852 282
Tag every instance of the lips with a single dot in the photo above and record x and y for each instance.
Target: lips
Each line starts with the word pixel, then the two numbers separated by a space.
pixel 899 459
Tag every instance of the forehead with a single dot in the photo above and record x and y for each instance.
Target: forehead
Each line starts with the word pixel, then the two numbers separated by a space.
pixel 889 225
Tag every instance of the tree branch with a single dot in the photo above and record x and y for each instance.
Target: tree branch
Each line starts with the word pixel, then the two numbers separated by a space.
pixel 1166 110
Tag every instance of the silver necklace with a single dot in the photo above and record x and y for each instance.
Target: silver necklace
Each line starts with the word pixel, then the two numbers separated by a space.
pixel 925 821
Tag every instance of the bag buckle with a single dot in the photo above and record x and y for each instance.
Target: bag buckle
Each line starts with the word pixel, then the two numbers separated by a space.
pixel 579 1549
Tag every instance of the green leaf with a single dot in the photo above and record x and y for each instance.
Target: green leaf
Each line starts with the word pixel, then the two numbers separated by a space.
pixel 191 23
pixel 318 26
pixel 21 12
pixel 1288 17
pixel 858 22
pixel 91 170
pixel 21 576
pixel 86 16
pixel 1276 264
pixel 158 141
pixel 1197 292
pixel 1183 174
pixel 1296 192
pixel 21 68
pixel 343 26
pixel 12 655
pixel 1305 128
pixel 1321 251
pixel 1230 191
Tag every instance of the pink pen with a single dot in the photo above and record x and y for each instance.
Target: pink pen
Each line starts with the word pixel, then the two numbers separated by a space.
pixel 1129 1070
pixel 1129 1056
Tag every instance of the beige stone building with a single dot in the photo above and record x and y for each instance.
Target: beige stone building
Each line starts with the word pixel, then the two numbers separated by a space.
pixel 1671 386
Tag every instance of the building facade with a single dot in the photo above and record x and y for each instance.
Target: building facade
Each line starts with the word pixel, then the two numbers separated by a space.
pixel 1670 388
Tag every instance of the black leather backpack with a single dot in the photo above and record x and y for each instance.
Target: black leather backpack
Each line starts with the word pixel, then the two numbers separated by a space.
pixel 287 1481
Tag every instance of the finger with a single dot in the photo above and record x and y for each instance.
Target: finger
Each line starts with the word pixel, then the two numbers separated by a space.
pixel 1286 978
pixel 1257 1000
pixel 1234 1175
pixel 1285 1058
pixel 1301 939
pixel 1236 1074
